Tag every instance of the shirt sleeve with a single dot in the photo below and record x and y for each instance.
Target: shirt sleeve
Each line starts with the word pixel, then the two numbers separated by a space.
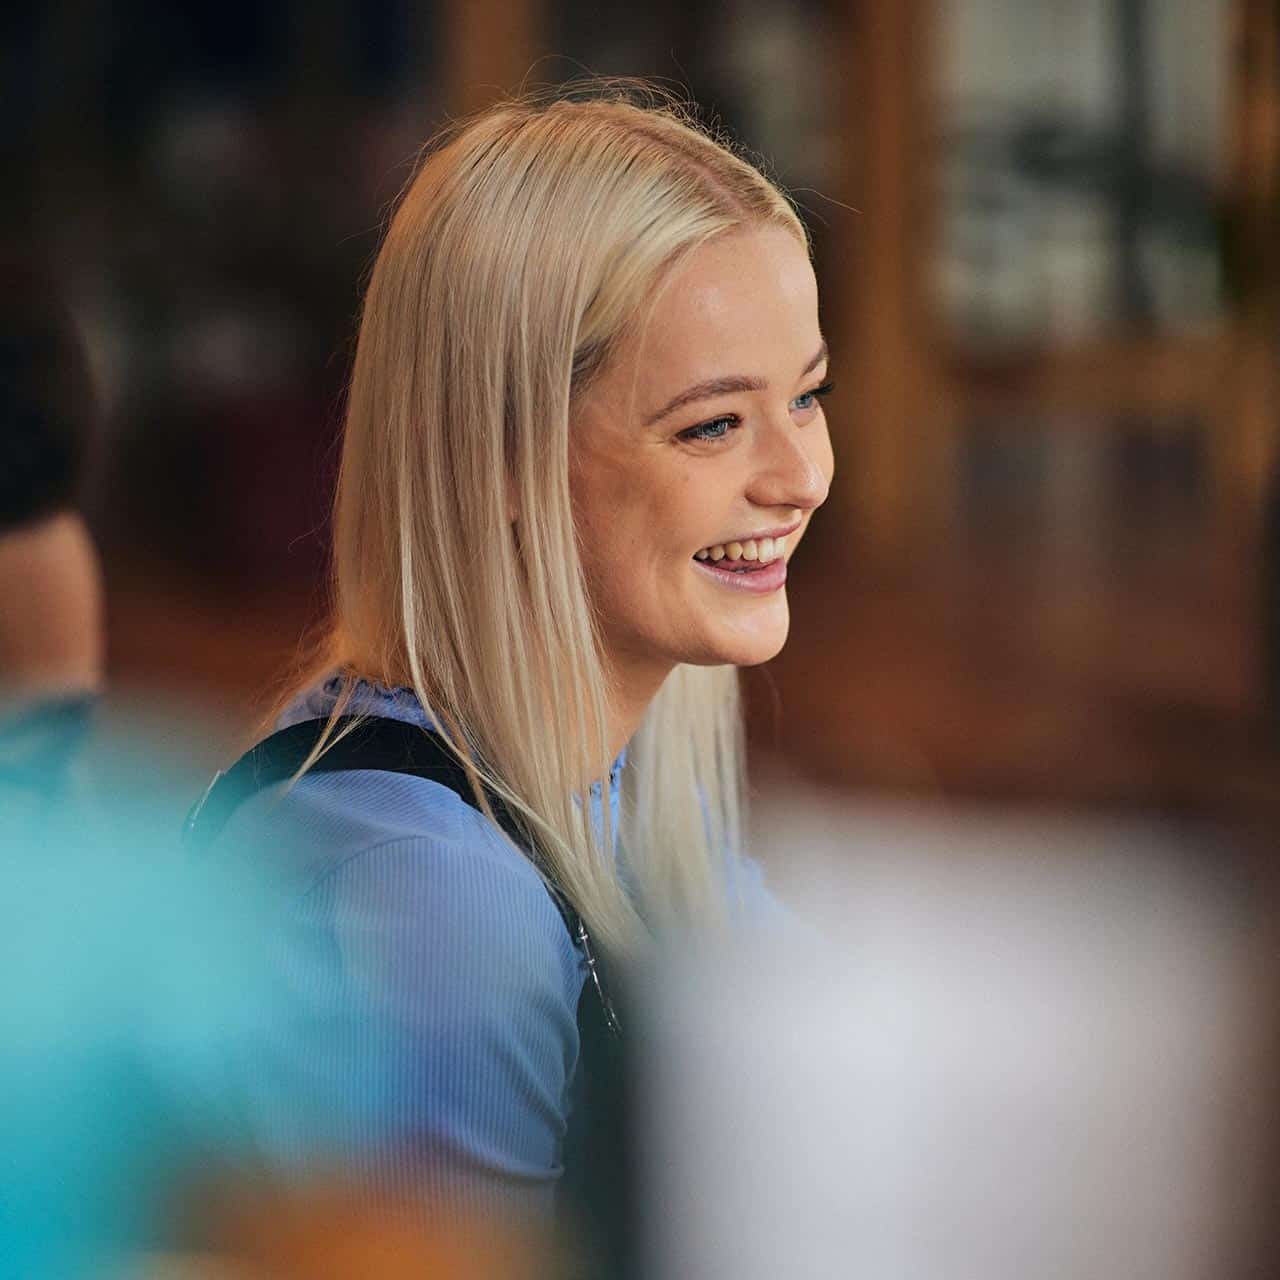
pixel 450 1063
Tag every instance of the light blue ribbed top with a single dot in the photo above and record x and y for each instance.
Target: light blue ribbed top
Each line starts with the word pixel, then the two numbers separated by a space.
pixel 456 978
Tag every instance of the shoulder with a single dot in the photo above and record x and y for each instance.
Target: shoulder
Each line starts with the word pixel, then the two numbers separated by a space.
pixel 461 893
pixel 311 829
pixel 441 941
pixel 396 847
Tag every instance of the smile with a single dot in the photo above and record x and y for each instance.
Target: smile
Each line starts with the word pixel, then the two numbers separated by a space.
pixel 755 576
pixel 744 555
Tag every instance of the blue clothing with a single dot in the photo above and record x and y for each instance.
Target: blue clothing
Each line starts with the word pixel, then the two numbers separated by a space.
pixel 131 979
pixel 441 931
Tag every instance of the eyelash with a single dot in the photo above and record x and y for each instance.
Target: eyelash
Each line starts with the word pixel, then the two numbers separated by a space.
pixel 731 420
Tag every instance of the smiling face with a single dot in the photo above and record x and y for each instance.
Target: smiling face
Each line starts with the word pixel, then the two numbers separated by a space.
pixel 704 431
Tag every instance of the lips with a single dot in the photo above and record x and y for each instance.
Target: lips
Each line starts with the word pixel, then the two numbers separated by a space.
pixel 754 578
pixel 739 566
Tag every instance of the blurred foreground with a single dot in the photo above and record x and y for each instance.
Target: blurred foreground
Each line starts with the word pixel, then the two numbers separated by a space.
pixel 986 1046
pixel 996 1047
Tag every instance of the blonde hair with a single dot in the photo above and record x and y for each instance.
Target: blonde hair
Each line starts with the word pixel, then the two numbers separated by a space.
pixel 529 242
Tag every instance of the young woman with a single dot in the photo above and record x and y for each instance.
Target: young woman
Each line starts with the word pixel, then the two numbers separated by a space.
pixel 584 437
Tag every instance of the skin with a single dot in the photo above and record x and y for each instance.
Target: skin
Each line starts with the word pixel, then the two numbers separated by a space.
pixel 648 494
pixel 51 626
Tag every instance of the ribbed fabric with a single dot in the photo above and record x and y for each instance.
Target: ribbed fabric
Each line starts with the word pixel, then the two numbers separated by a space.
pixel 436 984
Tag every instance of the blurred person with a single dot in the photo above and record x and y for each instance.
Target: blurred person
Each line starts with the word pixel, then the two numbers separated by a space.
pixel 584 437
pixel 51 629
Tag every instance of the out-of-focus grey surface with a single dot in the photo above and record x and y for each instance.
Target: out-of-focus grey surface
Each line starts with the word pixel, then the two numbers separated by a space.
pixel 996 1048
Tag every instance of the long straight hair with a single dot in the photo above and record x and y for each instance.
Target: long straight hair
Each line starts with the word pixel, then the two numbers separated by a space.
pixel 530 240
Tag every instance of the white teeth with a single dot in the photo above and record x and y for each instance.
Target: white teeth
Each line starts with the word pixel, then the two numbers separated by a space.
pixel 765 550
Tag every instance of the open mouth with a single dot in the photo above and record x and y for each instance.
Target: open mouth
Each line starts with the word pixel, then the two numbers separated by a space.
pixel 750 556
pixel 756 565
pixel 739 566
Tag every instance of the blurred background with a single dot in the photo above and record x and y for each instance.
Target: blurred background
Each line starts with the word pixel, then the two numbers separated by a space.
pixel 1041 612
pixel 1045 233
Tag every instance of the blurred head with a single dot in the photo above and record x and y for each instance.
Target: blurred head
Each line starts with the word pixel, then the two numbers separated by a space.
pixel 521 506
pixel 50 590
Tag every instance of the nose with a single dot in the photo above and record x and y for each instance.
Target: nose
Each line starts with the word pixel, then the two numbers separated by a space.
pixel 794 466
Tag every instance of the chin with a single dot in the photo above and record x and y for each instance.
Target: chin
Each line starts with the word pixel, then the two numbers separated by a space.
pixel 751 651
pixel 757 657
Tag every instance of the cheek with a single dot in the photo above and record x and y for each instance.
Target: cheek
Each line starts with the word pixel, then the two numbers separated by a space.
pixel 681 506
pixel 597 488
pixel 625 522
pixel 647 513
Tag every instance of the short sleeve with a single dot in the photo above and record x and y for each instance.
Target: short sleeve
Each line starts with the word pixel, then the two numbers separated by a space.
pixel 450 1060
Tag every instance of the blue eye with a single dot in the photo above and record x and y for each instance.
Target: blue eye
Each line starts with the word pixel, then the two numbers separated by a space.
pixel 813 396
pixel 716 429
pixel 719 428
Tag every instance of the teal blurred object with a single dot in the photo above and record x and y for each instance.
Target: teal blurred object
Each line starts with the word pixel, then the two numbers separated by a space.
pixel 138 993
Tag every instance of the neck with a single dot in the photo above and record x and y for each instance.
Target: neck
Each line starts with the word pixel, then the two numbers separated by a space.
pixel 633 686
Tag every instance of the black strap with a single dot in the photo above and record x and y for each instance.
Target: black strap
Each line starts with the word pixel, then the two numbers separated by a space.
pixel 370 742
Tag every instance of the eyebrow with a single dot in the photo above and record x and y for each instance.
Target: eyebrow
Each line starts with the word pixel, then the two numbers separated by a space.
pixel 725 386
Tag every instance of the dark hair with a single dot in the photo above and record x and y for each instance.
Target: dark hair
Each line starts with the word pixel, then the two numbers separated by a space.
pixel 46 399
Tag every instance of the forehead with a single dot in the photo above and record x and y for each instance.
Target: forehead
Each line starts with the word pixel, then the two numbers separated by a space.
pixel 744 303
